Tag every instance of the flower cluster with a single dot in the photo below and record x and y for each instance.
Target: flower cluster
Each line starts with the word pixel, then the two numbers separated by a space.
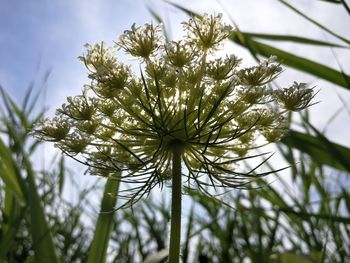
pixel 184 97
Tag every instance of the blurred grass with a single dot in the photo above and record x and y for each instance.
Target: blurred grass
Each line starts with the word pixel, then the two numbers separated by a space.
pixel 19 177
pixel 37 224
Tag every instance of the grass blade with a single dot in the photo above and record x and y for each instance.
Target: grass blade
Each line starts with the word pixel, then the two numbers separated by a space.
pixel 327 217
pixel 183 9
pixel 99 245
pixel 12 215
pixel 296 39
pixel 314 22
pixel 346 6
pixel 186 243
pixel 61 174
pixel 332 1
pixel 321 151
pixel 8 173
pixel 42 239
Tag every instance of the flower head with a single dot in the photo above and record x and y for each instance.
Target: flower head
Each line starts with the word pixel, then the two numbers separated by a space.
pixel 140 41
pixel 261 74
pixel 207 32
pixel 212 111
pixel 296 97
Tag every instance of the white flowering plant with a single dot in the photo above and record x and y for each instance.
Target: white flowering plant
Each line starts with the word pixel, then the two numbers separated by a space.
pixel 185 107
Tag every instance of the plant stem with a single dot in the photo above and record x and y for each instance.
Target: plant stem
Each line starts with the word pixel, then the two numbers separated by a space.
pixel 104 224
pixel 175 230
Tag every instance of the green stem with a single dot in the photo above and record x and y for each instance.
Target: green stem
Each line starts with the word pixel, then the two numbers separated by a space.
pixel 105 221
pixel 175 230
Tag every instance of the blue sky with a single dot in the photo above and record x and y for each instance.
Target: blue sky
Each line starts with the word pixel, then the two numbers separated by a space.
pixel 37 36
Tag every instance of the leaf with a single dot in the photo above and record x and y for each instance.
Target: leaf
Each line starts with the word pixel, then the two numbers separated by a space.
pixel 332 1
pixel 342 157
pixel 327 217
pixel 159 20
pixel 154 14
pixel 346 6
pixel 104 224
pixel 43 245
pixel 8 172
pixel 290 38
pixel 12 108
pixel 12 214
pixel 61 174
pixel 321 151
pixel 186 243
pixel 267 192
pixel 27 97
pixel 183 9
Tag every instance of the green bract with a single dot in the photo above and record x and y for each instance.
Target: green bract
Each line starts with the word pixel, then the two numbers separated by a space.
pixel 183 97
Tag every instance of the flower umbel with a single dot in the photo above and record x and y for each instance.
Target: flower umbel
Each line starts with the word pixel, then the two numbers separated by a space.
pixel 296 97
pixel 140 41
pixel 210 111
pixel 206 33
